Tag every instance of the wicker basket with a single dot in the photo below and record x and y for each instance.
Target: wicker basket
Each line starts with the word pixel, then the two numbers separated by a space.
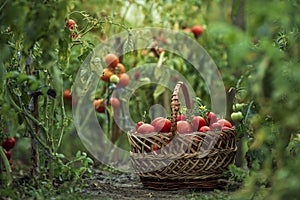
pixel 172 161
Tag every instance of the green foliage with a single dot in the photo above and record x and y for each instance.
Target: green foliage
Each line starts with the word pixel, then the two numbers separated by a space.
pixel 260 64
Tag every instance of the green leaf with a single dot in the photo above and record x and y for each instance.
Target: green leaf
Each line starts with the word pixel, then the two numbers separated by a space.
pixel 78 154
pixel 60 155
pixel 12 74
pixel 158 91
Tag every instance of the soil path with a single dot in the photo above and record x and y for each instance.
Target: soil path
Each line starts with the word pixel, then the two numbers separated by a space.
pixel 116 185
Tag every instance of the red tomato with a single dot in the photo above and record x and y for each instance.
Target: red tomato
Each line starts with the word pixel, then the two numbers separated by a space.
pixel 8 143
pixel 212 117
pixel 184 127
pixel 8 155
pixel 197 30
pixel 181 117
pixel 216 126
pixel 71 24
pixel 67 95
pixel 198 122
pixel 204 129
pixel 138 124
pixel 224 122
pixel 146 128
pixel 161 124
pixel 155 147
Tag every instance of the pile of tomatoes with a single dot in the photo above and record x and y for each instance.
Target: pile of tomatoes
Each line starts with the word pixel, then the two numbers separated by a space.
pixel 184 126
pixel 114 73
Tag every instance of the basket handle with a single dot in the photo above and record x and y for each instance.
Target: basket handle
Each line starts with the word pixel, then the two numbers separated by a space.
pixel 175 104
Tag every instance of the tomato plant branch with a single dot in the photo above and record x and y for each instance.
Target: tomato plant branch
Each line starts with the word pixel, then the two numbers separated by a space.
pixel 28 115
pixel 63 119
pixel 38 139
pixel 7 166
pixel 3 5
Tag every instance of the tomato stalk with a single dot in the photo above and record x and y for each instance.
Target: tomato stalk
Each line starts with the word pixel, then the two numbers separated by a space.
pixel 7 167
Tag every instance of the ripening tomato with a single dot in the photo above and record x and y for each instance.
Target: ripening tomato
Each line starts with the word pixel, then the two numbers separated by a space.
pixel 111 60
pixel 120 68
pixel 67 95
pixel 115 103
pixel 106 75
pixel 124 80
pixel 99 105
pixel 137 75
pixel 71 24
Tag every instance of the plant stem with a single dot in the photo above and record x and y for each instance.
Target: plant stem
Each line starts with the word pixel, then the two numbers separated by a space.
pixel 7 166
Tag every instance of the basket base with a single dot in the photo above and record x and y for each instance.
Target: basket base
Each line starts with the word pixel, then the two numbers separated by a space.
pixel 166 184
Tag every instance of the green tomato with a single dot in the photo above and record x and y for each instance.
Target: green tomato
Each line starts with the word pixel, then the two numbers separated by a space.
pixel 237 116
pixel 114 79
pixel 238 107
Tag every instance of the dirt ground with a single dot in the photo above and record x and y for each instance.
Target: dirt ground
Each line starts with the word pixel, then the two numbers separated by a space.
pixel 108 185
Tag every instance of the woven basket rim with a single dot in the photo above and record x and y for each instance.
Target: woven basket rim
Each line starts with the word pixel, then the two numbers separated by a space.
pixel 134 132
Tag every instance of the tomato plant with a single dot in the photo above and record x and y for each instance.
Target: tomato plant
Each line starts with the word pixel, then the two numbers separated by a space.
pixel 43 43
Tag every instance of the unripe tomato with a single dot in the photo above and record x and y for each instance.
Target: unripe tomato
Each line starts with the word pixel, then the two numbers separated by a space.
pixel 237 116
pixel 114 79
pixel 238 107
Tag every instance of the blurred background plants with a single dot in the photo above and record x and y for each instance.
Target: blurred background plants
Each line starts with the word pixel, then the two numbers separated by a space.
pixel 255 45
